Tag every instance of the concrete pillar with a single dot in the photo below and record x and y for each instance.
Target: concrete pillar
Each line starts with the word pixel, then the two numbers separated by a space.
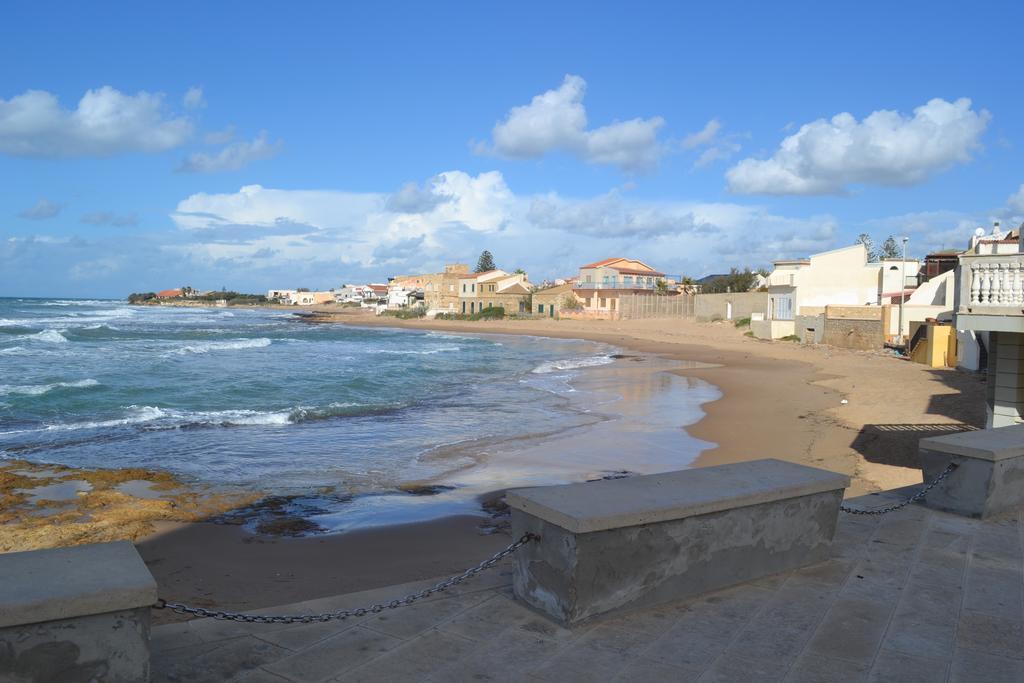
pixel 1005 390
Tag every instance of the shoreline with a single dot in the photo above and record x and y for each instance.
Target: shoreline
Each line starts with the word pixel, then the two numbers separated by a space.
pixel 776 400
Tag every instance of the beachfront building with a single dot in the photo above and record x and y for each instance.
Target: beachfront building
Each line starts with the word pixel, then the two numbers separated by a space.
pixel 551 301
pixel 494 289
pixel 440 290
pixel 169 294
pixel 990 320
pixel 840 277
pixel 602 285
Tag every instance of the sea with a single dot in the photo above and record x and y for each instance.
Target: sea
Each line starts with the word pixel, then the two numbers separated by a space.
pixel 340 419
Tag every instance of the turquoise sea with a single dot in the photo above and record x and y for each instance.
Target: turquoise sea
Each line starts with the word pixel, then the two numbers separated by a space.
pixel 258 399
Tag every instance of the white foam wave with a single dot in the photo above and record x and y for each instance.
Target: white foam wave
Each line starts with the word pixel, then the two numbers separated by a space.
pixel 425 352
pixel 40 389
pixel 14 351
pixel 572 364
pixel 49 336
pixel 171 418
pixel 232 345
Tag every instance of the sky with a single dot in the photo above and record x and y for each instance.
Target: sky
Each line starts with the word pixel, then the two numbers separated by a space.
pixel 251 146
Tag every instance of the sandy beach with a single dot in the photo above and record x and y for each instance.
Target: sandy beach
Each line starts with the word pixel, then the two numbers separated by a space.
pixel 778 399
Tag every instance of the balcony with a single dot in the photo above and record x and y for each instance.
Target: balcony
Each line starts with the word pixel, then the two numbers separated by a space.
pixel 991 292
pixel 616 284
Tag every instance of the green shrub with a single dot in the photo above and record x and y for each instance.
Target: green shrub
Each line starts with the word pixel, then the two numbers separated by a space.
pixel 748 333
pixel 791 337
pixel 408 313
pixel 743 322
pixel 489 313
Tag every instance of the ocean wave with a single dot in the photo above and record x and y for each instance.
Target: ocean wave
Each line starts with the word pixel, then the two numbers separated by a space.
pixel 426 352
pixel 232 345
pixel 40 389
pixel 572 364
pixel 14 351
pixel 49 336
pixel 156 418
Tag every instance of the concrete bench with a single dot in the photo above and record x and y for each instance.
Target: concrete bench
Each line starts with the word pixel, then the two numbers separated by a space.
pixel 75 614
pixel 609 546
pixel 989 479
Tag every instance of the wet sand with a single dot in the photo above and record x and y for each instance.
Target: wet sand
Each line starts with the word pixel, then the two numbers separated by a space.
pixel 778 399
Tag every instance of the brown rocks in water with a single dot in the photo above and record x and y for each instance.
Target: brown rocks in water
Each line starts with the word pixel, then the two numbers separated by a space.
pixel 424 489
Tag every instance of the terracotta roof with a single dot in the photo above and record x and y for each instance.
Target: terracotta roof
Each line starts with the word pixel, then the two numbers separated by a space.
pixel 168 293
pixel 606 262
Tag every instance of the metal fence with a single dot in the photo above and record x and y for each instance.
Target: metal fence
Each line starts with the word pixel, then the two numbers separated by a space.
pixel 640 306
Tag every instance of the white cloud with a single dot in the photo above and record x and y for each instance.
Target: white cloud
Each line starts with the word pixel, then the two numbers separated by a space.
pixel 105 122
pixel 886 148
pixel 41 210
pixel 194 98
pixel 717 147
pixel 109 218
pixel 220 137
pixel 704 136
pixel 557 121
pixel 233 157
pixel 455 215
pixel 1016 200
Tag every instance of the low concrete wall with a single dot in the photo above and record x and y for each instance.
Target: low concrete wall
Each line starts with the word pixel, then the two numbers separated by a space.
pixel 989 479
pixel 851 333
pixel 610 546
pixel 586 314
pixel 75 614
pixel 810 328
pixel 717 306
pixel 772 329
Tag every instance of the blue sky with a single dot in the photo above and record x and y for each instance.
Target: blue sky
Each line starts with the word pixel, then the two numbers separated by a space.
pixel 257 145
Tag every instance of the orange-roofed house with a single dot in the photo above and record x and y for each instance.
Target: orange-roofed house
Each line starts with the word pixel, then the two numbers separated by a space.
pixel 602 284
pixel 169 294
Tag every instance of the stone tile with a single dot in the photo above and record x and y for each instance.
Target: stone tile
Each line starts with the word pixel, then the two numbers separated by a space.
pixel 830 573
pixel 798 606
pixel 217 661
pixel 173 636
pixel 970 665
pixel 948 577
pixel 580 663
pixel 926 634
pixel 812 668
pixel 639 670
pixel 955 524
pixel 949 541
pixel 877 579
pixel 616 639
pixel 258 676
pixel 728 669
pixel 406 622
pixel 1004 546
pixel 487 619
pixel 852 630
pixel 764 640
pixel 414 660
pixel 899 531
pixel 302 636
pixel 896 666
pixel 506 659
pixel 328 658
pixel 994 635
pixel 994 590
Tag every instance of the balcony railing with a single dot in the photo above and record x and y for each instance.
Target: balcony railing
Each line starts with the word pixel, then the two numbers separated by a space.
pixel 616 284
pixel 992 283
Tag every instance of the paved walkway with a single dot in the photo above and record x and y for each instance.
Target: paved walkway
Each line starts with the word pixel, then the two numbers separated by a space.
pixel 915 595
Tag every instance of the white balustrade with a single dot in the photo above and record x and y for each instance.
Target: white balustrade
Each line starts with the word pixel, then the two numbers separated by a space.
pixel 997 283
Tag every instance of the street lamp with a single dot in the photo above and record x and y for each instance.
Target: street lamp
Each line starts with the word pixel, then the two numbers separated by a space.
pixel 903 288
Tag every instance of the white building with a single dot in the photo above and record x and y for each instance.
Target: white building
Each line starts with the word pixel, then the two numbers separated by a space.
pixel 832 278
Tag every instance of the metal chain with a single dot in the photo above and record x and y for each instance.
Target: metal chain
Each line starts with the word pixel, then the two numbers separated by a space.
pixel 179 608
pixel 913 499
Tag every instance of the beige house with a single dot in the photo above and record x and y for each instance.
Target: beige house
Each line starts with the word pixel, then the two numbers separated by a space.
pixel 551 301
pixel 493 289
pixel 440 290
pixel 601 285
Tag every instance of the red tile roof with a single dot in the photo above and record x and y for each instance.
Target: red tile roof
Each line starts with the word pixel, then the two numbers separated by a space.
pixel 630 271
pixel 607 261
pixel 168 294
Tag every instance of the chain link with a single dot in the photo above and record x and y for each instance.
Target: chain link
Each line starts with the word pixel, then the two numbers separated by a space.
pixel 180 608
pixel 913 499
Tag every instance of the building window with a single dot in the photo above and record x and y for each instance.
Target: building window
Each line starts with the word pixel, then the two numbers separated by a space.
pixel 604 302
pixel 612 304
pixel 540 308
pixel 471 305
pixel 472 287
pixel 463 288
pixel 463 304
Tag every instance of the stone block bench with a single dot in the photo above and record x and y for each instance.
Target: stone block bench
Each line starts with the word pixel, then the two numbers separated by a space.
pixel 75 614
pixel 989 479
pixel 609 546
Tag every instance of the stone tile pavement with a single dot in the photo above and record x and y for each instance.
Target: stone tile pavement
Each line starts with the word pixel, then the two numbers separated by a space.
pixel 915 595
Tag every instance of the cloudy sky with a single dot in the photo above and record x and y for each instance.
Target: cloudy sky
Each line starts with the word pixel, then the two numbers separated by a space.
pixel 252 146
